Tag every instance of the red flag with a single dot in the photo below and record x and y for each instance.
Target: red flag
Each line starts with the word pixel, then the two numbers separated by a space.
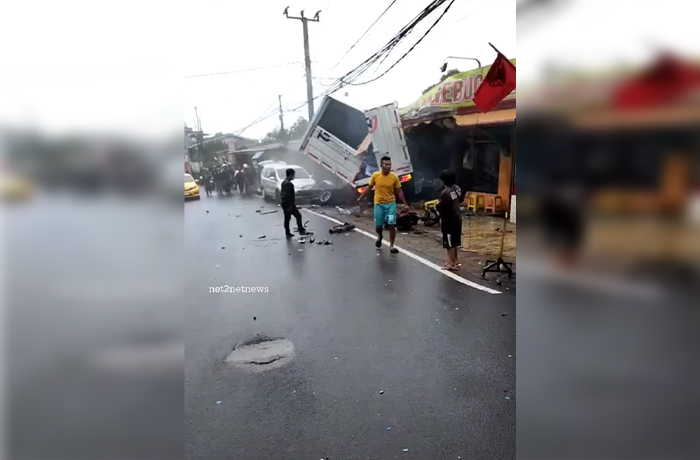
pixel 498 83
pixel 664 81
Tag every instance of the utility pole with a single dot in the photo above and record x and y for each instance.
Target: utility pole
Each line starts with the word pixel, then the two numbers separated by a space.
pixel 200 135
pixel 307 59
pixel 283 136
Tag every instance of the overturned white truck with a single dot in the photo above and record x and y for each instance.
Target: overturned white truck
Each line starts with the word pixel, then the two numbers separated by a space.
pixel 350 143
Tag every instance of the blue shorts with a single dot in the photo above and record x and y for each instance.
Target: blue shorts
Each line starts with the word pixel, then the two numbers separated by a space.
pixel 384 214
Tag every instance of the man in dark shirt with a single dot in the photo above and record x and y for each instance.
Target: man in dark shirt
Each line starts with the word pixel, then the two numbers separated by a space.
pixel 450 218
pixel 288 205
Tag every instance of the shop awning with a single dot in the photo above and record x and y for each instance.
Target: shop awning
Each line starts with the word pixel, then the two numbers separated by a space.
pixel 491 118
pixel 450 97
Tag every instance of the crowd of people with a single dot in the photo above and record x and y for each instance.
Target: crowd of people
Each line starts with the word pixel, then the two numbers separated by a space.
pixel 226 179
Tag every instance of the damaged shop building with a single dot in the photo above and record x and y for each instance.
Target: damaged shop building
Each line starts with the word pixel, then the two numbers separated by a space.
pixel 444 130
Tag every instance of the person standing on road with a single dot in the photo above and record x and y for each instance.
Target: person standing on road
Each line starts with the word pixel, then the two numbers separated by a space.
pixel 450 218
pixel 249 178
pixel 240 180
pixel 289 207
pixel 387 187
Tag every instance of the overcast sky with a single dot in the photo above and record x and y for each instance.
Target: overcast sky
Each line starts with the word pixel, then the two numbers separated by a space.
pixel 243 35
pixel 87 66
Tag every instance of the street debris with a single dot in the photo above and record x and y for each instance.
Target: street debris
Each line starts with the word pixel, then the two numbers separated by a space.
pixel 223 247
pixel 381 392
pixel 216 266
pixel 507 397
pixel 355 210
pixel 342 228
pixel 207 211
pixel 257 210
pixel 255 318
pixel 510 356
pixel 504 314
pixel 218 402
pixel 261 237
pixel 312 240
pixel 238 215
pixel 327 242
pixel 301 240
pixel 301 250
pixel 388 428
pixel 240 236
pixel 269 212
pixel 405 450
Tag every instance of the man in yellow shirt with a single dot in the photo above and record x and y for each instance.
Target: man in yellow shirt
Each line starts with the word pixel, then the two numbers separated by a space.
pixel 387 187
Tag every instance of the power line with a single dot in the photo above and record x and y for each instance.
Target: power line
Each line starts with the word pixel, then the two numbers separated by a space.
pixel 407 52
pixel 242 70
pixel 351 76
pixel 363 35
pixel 359 70
pixel 265 115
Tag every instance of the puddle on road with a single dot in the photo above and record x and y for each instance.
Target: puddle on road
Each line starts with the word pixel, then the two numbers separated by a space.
pixel 262 354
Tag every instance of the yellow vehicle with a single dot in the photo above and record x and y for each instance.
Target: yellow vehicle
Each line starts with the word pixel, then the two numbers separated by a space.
pixel 15 188
pixel 191 188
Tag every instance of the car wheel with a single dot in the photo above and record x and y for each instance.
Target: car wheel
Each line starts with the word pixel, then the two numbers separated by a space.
pixel 325 196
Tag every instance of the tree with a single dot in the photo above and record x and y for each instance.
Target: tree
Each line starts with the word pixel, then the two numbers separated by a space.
pixel 298 129
pixel 275 136
pixel 444 77
pixel 212 151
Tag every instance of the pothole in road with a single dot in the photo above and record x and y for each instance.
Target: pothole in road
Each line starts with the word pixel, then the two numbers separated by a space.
pixel 261 354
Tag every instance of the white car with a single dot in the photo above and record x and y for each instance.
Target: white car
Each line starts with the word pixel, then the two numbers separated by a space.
pixel 271 178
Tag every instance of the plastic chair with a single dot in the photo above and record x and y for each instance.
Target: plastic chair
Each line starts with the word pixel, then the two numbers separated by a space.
pixel 471 203
pixel 490 205
pixel 480 202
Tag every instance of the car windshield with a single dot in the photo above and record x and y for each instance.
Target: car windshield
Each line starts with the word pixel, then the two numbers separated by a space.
pixel 298 173
pixel 188 178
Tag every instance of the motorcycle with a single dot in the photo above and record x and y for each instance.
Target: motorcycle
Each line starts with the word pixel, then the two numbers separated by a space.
pixel 430 217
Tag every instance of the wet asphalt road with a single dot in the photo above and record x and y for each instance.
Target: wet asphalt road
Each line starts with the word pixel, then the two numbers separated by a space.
pixel 360 324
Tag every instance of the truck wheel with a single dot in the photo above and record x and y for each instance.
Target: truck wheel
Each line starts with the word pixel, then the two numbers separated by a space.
pixel 325 196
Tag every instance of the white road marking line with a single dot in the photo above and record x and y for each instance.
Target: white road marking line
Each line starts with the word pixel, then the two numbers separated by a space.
pixel 415 257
